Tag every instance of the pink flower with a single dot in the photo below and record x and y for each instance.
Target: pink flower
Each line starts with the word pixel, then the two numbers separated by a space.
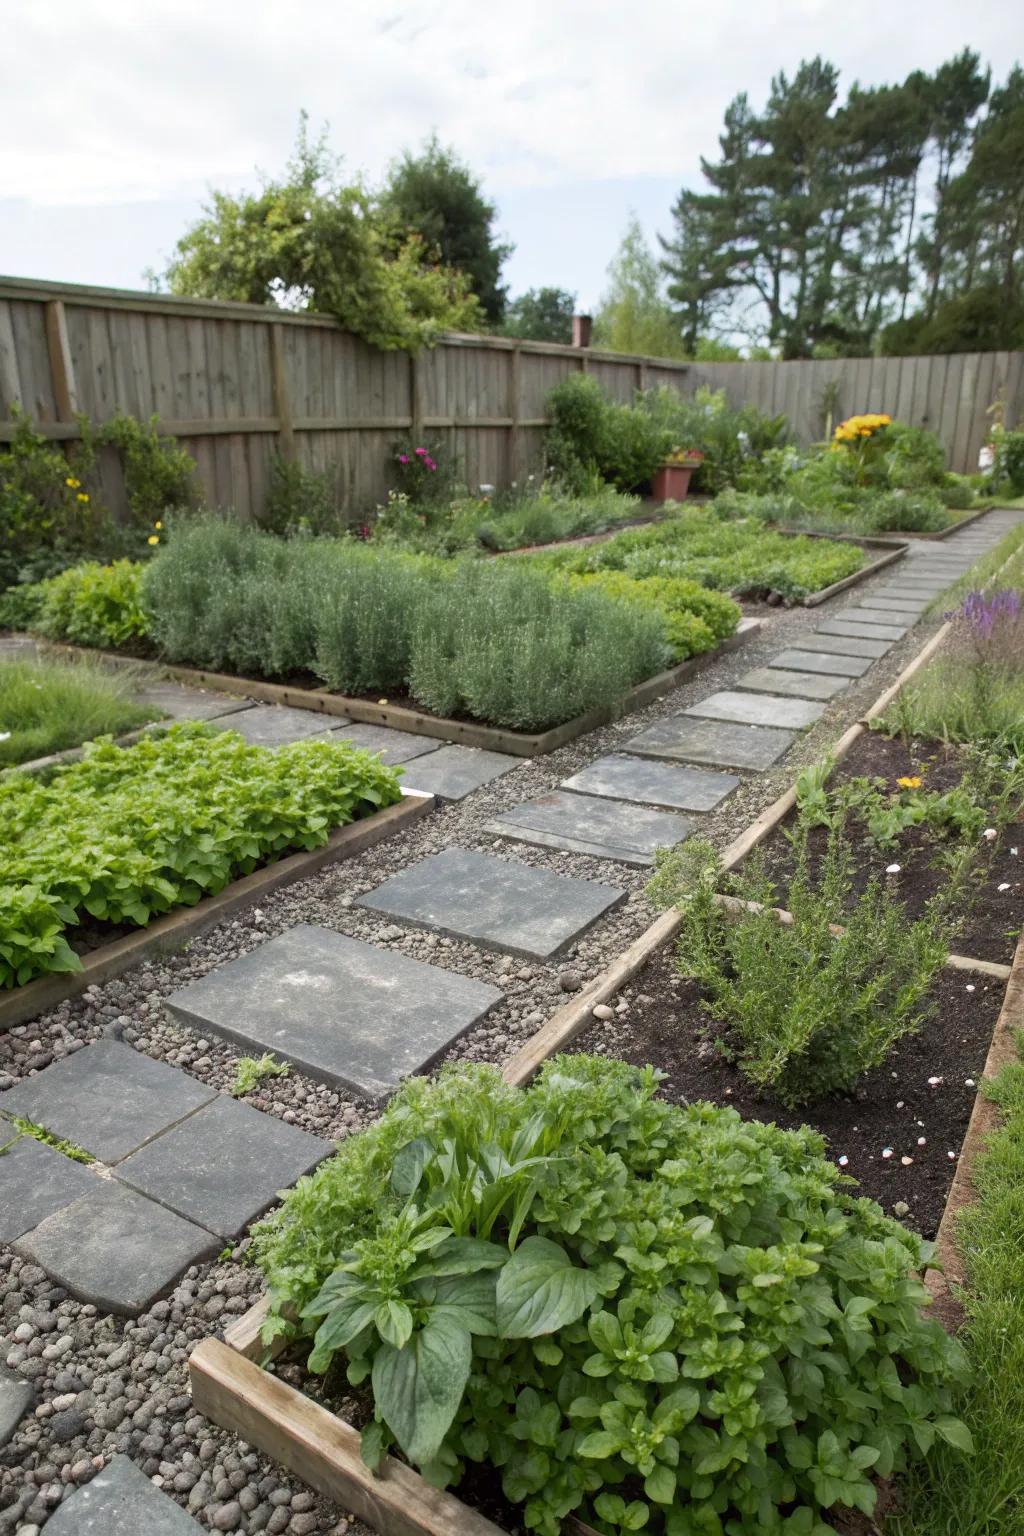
pixel 430 463
pixel 422 452
pixel 403 458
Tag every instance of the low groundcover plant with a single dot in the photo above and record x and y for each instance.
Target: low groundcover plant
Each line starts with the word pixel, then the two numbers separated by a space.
pixel 665 1318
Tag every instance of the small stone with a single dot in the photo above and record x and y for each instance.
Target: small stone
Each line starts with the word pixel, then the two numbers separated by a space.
pixel 906 1161
pixel 901 1209
pixel 843 1161
pixel 969 1082
pixel 970 987
pixel 887 1152
pixel 933 1082
pixel 921 1141
pixel 227 1517
pixel 570 981
pixel 602 1011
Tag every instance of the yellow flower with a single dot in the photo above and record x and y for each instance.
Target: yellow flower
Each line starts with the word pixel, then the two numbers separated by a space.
pixel 154 538
pixel 158 526
pixel 74 484
pixel 81 497
pixel 912 781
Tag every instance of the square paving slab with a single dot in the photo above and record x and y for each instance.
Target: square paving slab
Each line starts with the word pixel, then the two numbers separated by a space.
pixel 453 772
pixel 116 1248
pixel 795 685
pixel 344 1012
pixel 846 645
pixel 646 781
pixel 393 746
pixel 107 1098
pixel 827 664
pixel 35 1181
pixel 890 613
pixel 857 629
pixel 276 725
pixel 495 904
pixel 180 703
pixel 605 829
pixel 224 1166
pixel 758 709
pixel 16 1395
pixel 121 1501
pixel 719 742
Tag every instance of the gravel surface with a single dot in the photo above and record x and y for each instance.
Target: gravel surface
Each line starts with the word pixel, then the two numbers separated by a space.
pixel 105 1385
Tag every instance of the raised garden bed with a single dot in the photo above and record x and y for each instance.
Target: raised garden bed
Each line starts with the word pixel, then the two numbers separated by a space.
pixel 467 732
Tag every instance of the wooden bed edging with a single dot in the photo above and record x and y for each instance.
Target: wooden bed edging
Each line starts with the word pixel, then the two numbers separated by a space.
pixel 466 732
pixel 170 931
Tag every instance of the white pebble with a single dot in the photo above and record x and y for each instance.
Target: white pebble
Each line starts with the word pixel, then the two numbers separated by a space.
pixel 990 834
pixel 906 1161
pixel 893 869
pixel 933 1082
pixel 970 986
pixel 951 1156
pixel 1005 885
pixel 887 1151
pixel 921 1141
pixel 969 1082
pixel 842 1161
pixel 602 1011
pixel 900 1104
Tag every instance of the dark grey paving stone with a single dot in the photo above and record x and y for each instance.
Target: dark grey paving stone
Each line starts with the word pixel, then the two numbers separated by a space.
pixel 895 613
pixel 180 703
pixel 275 725
pixel 121 1501
pixel 758 709
pixel 223 1166
pixel 35 1181
pixel 115 1248
pixel 106 1098
pixel 846 645
pixel 720 742
pixel 393 746
pixel 604 829
pixel 16 1396
pixel 858 629
pixel 646 781
pixel 453 772
pixel 497 905
pixel 818 661
pixel 343 1012
pixel 795 685
pixel 912 591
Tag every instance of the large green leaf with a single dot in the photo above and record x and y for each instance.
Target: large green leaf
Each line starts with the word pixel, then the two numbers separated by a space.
pixel 540 1290
pixel 417 1390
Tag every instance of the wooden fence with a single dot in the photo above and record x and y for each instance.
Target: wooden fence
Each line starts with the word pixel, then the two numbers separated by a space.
pixel 236 383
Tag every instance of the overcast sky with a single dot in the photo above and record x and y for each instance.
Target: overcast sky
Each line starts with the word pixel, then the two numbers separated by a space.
pixel 117 117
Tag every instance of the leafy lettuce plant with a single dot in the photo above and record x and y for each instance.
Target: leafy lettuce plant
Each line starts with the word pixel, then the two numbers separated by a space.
pixel 664 1318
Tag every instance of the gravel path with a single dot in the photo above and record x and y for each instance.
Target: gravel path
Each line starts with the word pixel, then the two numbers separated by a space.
pixel 106 1385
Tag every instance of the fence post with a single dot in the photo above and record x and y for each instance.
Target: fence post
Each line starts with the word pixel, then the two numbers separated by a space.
pixel 62 373
pixel 416 395
pixel 514 411
pixel 279 379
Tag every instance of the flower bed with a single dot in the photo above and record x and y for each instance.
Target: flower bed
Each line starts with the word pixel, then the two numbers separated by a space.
pixel 127 834
pixel 48 707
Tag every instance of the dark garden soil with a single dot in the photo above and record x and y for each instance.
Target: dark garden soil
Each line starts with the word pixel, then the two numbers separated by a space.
pixel 894 1107
pixel 994 922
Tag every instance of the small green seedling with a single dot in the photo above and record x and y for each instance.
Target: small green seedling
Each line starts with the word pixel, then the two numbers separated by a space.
pixel 40 1133
pixel 251 1071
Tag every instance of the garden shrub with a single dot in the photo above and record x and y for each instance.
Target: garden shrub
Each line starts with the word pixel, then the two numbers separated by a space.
pixel 578 411
pixel 48 513
pixel 159 476
pixel 298 500
pixel 1010 461
pixel 808 1012
pixel 695 619
pixel 128 833
pixel 734 441
pixel 957 493
pixel 366 616
pixel 93 604
pixel 661 1317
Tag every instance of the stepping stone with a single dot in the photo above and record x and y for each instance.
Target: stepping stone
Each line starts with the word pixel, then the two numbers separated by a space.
pixel 795 685
pixel 393 746
pixel 719 742
pixel 758 709
pixel 116 1248
pixel 181 703
pixel 845 645
pixel 453 772
pixel 224 1165
pixel 604 829
pixel 35 1181
pixel 649 782
pixel 16 1396
pixel 107 1098
pixel 889 613
pixel 121 1501
pixel 858 629
pixel 509 907
pixel 817 661
pixel 345 1013
pixel 276 725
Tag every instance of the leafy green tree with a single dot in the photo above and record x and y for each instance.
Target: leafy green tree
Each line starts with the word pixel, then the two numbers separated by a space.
pixel 634 314
pixel 310 241
pixel 541 314
pixel 435 195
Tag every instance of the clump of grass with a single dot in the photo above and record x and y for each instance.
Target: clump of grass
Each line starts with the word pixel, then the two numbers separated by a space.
pixel 49 706
pixel 983 1494
pixel 251 1070
pixel 40 1133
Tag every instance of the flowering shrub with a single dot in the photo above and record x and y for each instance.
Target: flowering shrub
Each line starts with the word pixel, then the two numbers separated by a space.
pixel 857 427
pixel 422 474
pixel 662 1318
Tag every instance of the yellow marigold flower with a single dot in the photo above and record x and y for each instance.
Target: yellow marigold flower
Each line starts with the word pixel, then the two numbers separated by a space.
pixel 912 781
pixel 154 538
pixel 81 496
pixel 74 484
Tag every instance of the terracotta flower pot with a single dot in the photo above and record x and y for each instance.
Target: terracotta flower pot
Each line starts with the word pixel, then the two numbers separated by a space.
pixel 671 482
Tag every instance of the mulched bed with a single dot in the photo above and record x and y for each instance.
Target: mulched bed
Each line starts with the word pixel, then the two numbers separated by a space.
pixel 994 923
pixel 894 1106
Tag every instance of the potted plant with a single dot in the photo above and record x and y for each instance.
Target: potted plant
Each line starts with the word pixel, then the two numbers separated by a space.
pixel 672 478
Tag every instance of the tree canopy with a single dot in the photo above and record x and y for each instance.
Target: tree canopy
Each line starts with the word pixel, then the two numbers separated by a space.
pixel 541 314
pixel 634 314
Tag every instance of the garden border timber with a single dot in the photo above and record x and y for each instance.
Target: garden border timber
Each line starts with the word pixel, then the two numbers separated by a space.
pixel 467 733
pixel 169 932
